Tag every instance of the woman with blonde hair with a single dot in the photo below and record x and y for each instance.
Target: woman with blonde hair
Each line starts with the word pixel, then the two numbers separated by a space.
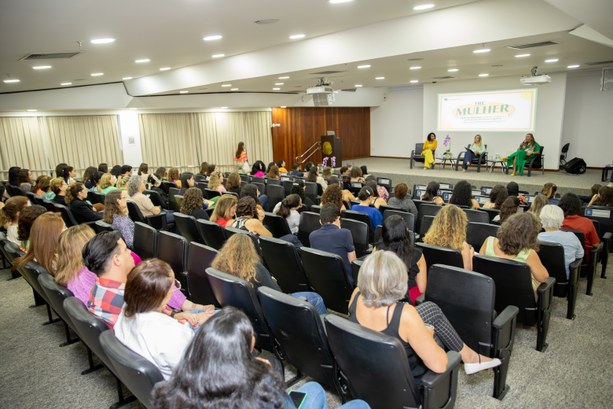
pixel 9 217
pixel 59 187
pixel 216 182
pixel 70 270
pixel 116 213
pixel 449 230
pixel 537 204
pixel 225 210
pixel 44 236
pixel 107 183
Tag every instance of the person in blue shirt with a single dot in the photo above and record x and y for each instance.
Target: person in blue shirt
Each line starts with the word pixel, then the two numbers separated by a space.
pixel 365 198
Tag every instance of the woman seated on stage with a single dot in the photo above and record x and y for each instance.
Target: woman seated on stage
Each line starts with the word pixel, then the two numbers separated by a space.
pixel 428 150
pixel 449 230
pixel 475 150
pixel 517 160
pixel 375 304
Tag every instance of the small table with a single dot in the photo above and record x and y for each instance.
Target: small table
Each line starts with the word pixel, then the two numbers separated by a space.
pixel 444 159
pixel 492 164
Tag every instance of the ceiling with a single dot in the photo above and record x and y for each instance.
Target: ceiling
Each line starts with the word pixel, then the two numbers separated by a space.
pixel 388 35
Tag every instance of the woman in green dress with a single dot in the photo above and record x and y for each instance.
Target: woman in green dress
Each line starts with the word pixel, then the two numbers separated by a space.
pixel 519 158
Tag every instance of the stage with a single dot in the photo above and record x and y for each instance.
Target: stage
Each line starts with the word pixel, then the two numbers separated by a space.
pixel 399 171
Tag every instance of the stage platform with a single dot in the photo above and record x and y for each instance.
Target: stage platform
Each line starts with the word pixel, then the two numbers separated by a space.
pixel 399 171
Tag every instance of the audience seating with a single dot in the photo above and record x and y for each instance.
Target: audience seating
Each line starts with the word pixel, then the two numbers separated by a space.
pixel 173 192
pixel 588 265
pixel 409 218
pixel 426 209
pixel 477 216
pixel 199 258
pixel 376 369
pixel 56 295
pixel 477 233
pixel 359 233
pixel 492 213
pixel 166 186
pixel 67 215
pixel 362 217
pixel 230 231
pixel 30 273
pixel 282 259
pixel 514 287
pixel 310 190
pixel 468 300
pixel 95 197
pixel 100 226
pixel 212 233
pixel 157 199
pixel 157 221
pixel 441 255
pixel 604 217
pixel 277 225
pixel 10 251
pixel 145 240
pixel 172 248
pixel 424 225
pixel 211 193
pixel 187 227
pixel 309 222
pixel 50 206
pixel 260 184
pixel 386 183
pixel 276 193
pixel 327 276
pixel 552 257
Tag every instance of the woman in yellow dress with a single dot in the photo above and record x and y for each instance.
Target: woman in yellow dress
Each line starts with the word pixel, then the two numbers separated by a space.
pixel 428 150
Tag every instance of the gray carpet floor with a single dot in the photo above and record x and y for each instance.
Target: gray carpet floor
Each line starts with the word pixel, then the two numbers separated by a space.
pixel 576 371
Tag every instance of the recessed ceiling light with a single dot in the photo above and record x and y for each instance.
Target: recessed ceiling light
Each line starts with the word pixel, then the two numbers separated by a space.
pixel 358 85
pixel 276 89
pixel 550 60
pixel 339 1
pixel 379 78
pixel 233 89
pixel 415 67
pixel 363 66
pixel 184 92
pixel 41 67
pixel 414 81
pixel 570 67
pixel 97 74
pixel 421 7
pixel 453 70
pixel 220 55
pixel 283 106
pixel 522 55
pixel 126 78
pixel 226 85
pixel 279 83
pixel 98 41
pixel 484 74
pixel 296 36
pixel 142 60
pixel 212 37
pixel 481 51
pixel 165 69
pixel 63 84
pixel 11 81
pixel 32 110
pixel 223 107
pixel 285 77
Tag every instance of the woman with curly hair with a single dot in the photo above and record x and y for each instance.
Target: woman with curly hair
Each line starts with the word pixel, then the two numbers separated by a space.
pixel 517 240
pixel 116 213
pixel 9 216
pixel 248 218
pixel 498 195
pixel 192 204
pixel 508 208
pixel 333 194
pixel 24 224
pixel 233 183
pixel 216 182
pixel 449 230
pixel 258 169
pixel 225 210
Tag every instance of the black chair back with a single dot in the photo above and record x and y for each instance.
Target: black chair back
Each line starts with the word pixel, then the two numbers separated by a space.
pixel 49 205
pixel 276 224
pixel 310 190
pixel 166 186
pixel 359 232
pixel 67 215
pixel 284 263
pixel 424 225
pixel 199 258
pixel 100 226
pixel 476 233
pixel 212 233
pixel 441 255
pixel 492 213
pixel 172 248
pixel 477 216
pixel 187 227
pixel 56 294
pixel 31 271
pixel 145 240
pixel 552 257
pixel 362 217
pixel 409 218
pixel 156 198
pixel 309 222
pixel 211 193
pixel 230 231
pixel 276 193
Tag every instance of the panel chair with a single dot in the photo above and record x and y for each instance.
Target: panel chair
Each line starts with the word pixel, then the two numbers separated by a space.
pixel 416 154
pixel 172 248
pixel 137 373
pixel 157 221
pixel 477 159
pixel 514 287
pixel 564 154
pixel 536 162
pixel 56 295
pixel 327 275
pixel 468 300
pixel 276 224
pixel 477 233
pixel 309 222
pixel 212 233
pixel 145 240
pixel 187 227
pixel 376 369
pixel 360 235
pixel 552 257
pixel 441 255
pixel 284 263
pixel 199 258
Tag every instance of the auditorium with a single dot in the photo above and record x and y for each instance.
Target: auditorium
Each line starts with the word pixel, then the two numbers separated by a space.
pixel 341 137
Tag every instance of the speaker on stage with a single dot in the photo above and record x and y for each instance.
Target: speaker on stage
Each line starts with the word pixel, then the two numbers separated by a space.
pixel 331 150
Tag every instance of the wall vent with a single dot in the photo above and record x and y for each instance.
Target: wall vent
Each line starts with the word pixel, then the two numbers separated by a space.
pixel 610 62
pixel 531 45
pixel 330 72
pixel 47 56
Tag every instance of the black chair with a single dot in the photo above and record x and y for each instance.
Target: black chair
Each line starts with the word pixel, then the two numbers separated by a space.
pixel 376 369
pixel 30 273
pixel 157 221
pixel 166 186
pixel 477 233
pixel 359 233
pixel 95 197
pixel 441 255
pixel 145 240
pixel 478 160
pixel 172 248
pixel 67 215
pixel 50 206
pixel 259 182
pixel 536 161
pixel 424 225
pixel 552 257
pixel 230 231
pixel 492 213
pixel 315 209
pixel 588 264
pixel 157 199
pixel 187 227
pixel 275 193
pixel 309 222
pixel 604 216
pixel 328 278
pixel 282 259
pixel 468 300
pixel 362 217
pixel 287 186
pixel 211 193
pixel 174 204
pixel 386 183
pixel 409 218
pixel 11 251
pixel 416 154
pixel 100 226
pixel 477 216
pixel 137 373
pixel 426 209
pixel 310 190
pixel 236 292
pixel 199 258
pixel 276 224
pixel 514 287
pixel 56 295
pixel 563 154
pixel 298 328
pixel 212 233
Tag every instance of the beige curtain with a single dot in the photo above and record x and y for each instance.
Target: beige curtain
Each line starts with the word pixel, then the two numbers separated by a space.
pixel 168 139
pixel 22 144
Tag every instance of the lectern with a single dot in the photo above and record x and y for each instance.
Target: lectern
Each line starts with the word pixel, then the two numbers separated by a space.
pixel 331 150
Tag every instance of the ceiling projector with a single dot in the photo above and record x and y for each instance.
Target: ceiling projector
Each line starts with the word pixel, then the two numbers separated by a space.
pixel 322 93
pixel 535 78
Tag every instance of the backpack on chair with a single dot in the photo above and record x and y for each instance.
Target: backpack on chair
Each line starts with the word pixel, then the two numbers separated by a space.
pixel 576 166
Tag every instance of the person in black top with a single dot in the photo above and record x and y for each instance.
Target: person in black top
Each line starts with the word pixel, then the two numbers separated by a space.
pixel 81 210
pixel 193 203
pixel 59 187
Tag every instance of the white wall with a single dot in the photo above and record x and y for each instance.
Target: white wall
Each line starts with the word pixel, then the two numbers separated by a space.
pixel 588 119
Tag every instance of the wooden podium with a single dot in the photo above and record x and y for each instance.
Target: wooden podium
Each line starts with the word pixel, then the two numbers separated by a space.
pixel 331 151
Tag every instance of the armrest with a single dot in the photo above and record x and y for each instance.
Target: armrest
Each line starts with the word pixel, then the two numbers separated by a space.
pixel 574 268
pixel 421 299
pixel 504 328
pixel 157 221
pixel 606 240
pixel 439 390
pixel 545 293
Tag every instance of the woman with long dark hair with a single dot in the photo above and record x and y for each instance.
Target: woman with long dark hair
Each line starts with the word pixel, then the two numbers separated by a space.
pixel 288 209
pixel 428 150
pixel 116 213
pixel 431 194
pixel 462 195
pixel 81 209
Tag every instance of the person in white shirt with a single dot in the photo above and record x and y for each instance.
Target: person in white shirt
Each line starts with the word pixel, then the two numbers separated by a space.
pixel 552 218
pixel 288 209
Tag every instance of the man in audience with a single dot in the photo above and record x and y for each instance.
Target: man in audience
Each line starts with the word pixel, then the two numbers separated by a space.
pixel 332 238
pixel 296 170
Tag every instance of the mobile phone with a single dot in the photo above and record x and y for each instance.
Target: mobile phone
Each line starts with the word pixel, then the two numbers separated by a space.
pixel 297 398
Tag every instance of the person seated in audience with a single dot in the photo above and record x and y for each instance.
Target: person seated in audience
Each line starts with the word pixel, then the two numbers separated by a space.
pixel 604 197
pixel 364 170
pixel 96 182
pixel 82 211
pixel 396 237
pixel 116 213
pixel 347 195
pixel 239 258
pixel 126 171
pixel 212 168
pixel 296 170
pixel 366 199
pixel 250 189
pixel 449 230
pixel 233 183
pixel 537 204
pixel 107 183
pixel 9 217
pixel 143 172
pixel 402 199
pixel 428 150
pixel 41 186
pixel 70 271
pixel 313 176
pixel 462 196
pixel 345 177
pixel 376 198
pixel 24 224
pixel 225 210
pixel 518 240
pixel 498 195
pixel 158 176
pixel 332 238
pixel 88 177
pixel 143 327
pixel 58 186
pixel 121 183
pixel 355 175
pixel 273 172
pixel 375 304
pixel 513 190
pixel 571 206
pixel 431 194
pixel 103 167
pixel 136 187
pixel 174 177
pixel 552 218
pixel 12 175
pixel 382 192
pixel 299 189
pixel 518 159
pixel 249 218
pixel 288 209
pixel 326 173
pixel 472 152
pixel 281 166
pixel 333 194
pixel 549 190
pixel 201 175
pixel 223 353
pixel 307 167
pixel 216 182
pixel 258 169
pixel 194 204
pixel 509 207
pixel 186 181
pixel 108 257
pixel 44 235
pixel 24 180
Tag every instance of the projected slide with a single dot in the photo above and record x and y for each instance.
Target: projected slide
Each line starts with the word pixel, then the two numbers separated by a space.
pixel 504 111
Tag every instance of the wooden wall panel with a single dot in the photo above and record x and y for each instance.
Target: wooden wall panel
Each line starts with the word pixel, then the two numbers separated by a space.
pixel 301 127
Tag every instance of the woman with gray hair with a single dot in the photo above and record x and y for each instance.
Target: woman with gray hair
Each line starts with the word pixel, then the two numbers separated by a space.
pixel 552 218
pixel 375 304
pixel 136 187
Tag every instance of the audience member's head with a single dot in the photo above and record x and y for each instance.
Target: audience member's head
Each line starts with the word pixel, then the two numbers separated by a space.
pixel 70 252
pixel 595 188
pixel 258 166
pixel 552 217
pixel 149 287
pixel 249 189
pixel 160 173
pixel 233 182
pixel 246 206
pixel 44 235
pixel 143 169
pixel 126 170
pixel 462 194
pixel 333 194
pixel 513 189
pixel 9 214
pixel 401 190
pixel 107 255
pixel 549 190
pixel 431 191
pixel 509 207
pixel 355 173
pixel 238 257
pixel 58 186
pixel 210 169
pixel 116 171
pixel 192 199
pixel 280 163
pixel 107 180
pixel 448 228
pixel 308 166
pixel 59 170
pixel 396 237
pixel 187 180
pixel 288 203
pixel 225 208
pixel 537 204
pixel 570 204
pixel 365 193
pixel 75 192
pixel 115 204
pixel 103 167
pixel 173 174
pixel 89 173
pixel 135 185
pixel 273 172
pixel 383 279
pixel 26 218
pixel 203 168
pixel 498 195
pixel 519 232
pixel 13 172
pixel 215 180
pixel 329 213
pixel 364 170
pixel 605 196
